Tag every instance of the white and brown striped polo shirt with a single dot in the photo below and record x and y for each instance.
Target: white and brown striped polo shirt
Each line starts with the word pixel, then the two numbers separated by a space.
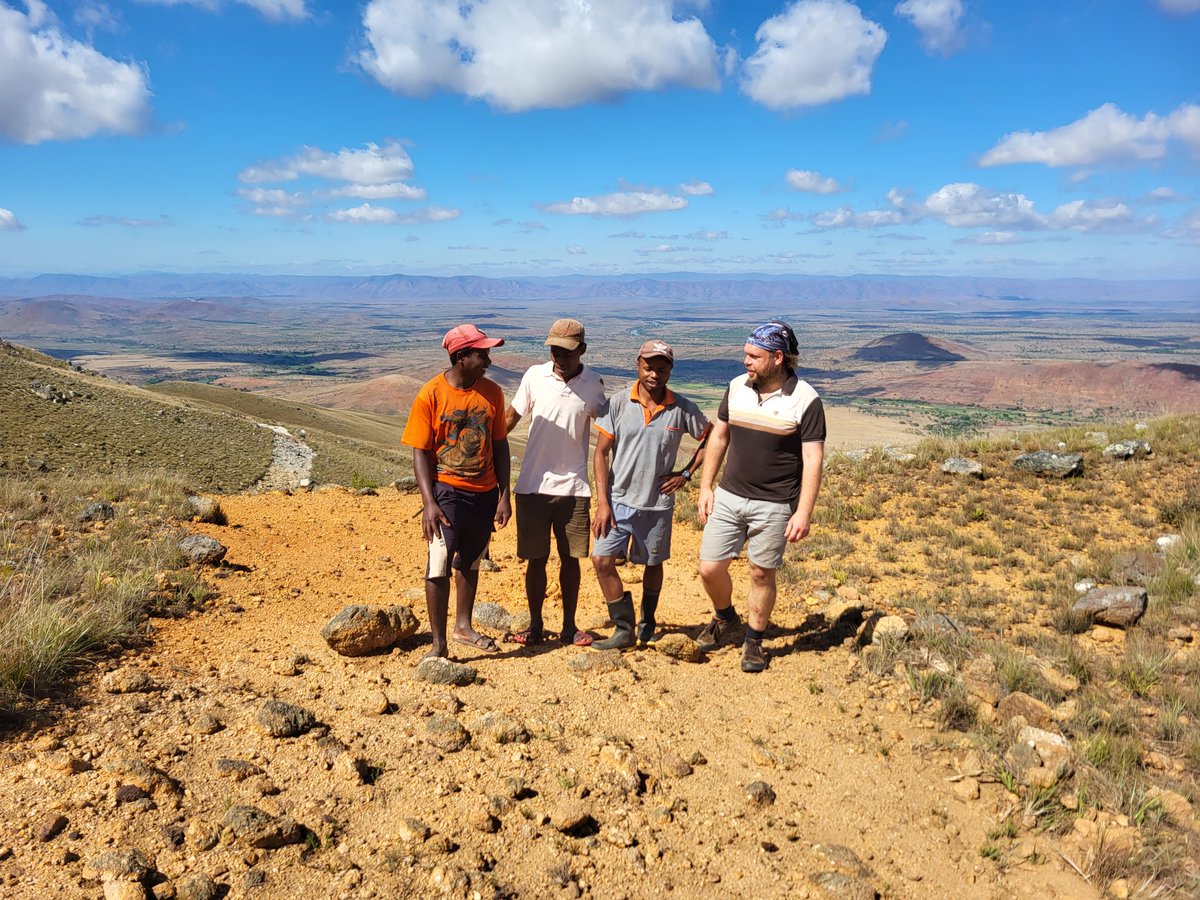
pixel 766 434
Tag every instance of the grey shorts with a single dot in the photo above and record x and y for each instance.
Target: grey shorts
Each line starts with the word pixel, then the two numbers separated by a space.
pixel 736 520
pixel 540 515
pixel 642 536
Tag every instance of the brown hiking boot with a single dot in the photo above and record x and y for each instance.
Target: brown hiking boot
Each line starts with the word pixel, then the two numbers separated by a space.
pixel 754 658
pixel 715 630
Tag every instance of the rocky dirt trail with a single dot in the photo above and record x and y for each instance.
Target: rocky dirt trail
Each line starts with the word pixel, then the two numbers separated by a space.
pixel 642 778
pixel 291 462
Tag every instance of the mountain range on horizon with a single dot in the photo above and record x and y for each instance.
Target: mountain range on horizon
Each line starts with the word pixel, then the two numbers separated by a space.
pixel 913 292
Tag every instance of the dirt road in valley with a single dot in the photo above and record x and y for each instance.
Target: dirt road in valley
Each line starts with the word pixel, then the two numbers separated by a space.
pixel 863 801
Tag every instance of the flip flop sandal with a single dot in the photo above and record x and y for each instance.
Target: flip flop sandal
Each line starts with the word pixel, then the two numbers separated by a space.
pixel 582 639
pixel 526 637
pixel 482 642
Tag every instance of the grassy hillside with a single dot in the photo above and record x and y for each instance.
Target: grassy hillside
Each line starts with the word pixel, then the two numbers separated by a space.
pixel 352 447
pixel 57 419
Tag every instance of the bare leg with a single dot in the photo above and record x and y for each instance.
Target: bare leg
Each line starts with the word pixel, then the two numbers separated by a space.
pixel 535 593
pixel 606 574
pixel 761 599
pixel 437 600
pixel 717 581
pixel 466 583
pixel 568 583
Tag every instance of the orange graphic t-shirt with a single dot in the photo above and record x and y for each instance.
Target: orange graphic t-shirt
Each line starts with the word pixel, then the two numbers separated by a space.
pixel 459 426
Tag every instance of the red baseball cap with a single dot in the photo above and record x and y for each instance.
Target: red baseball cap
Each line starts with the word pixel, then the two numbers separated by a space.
pixel 468 337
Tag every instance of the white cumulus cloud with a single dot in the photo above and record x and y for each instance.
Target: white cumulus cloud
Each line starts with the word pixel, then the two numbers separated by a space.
pixel 530 54
pixel 1084 215
pixel 811 182
pixel 366 214
pixel 53 87
pixel 575 250
pixel 814 52
pixel 272 10
pixel 1180 7
pixel 967 205
pixel 1106 134
pixel 272 197
pixel 371 165
pixel 939 22
pixel 392 190
pixel 622 204
pixel 9 221
pixel 696 188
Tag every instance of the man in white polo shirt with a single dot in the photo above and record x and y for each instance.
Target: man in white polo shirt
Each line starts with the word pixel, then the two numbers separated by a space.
pixel 773 425
pixel 552 492
pixel 635 498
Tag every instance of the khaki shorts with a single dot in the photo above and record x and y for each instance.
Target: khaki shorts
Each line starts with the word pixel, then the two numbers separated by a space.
pixel 540 514
pixel 736 520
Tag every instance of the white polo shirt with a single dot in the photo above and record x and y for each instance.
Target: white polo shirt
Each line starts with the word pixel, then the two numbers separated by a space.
pixel 555 459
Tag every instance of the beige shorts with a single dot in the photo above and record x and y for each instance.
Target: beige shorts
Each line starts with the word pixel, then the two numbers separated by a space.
pixel 539 515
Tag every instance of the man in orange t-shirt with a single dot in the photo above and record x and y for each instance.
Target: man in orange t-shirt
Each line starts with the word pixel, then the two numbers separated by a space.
pixel 461 462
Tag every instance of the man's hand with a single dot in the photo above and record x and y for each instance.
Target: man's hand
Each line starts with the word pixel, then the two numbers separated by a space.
pixel 503 510
pixel 797 527
pixel 604 521
pixel 432 520
pixel 704 504
pixel 671 483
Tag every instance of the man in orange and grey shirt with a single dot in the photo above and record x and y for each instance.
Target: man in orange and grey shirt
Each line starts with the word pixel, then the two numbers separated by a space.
pixel 461 461
pixel 635 496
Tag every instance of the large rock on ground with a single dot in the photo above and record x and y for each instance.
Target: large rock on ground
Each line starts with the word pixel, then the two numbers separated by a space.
pixel 1127 449
pixel 1117 606
pixel 1043 462
pixel 959 465
pixel 202 550
pixel 446 733
pixel 205 509
pixel 1031 709
pixel 360 630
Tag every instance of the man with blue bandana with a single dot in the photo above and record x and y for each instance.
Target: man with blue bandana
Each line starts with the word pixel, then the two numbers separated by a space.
pixel 772 425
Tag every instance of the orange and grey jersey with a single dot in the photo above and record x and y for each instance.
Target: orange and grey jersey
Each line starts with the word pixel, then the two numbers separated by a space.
pixel 766 435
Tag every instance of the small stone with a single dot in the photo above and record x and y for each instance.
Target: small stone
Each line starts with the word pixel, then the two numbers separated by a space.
pixel 1034 711
pixel 446 734
pixel 966 789
pixel 679 646
pixel 482 820
pixel 51 827
pixel 574 818
pixel 197 887
pixel 623 768
pixel 128 681
pixel 279 719
pixel 889 628
pixel 118 865
pixel 376 704
pixel 130 793
pixel 599 662
pixel 436 670
pixel 759 793
pixel 675 765
pixel 97 512
pixel 205 509
pixel 252 827
pixel 207 723
pixel 237 769
pixel 412 831
pixel 493 616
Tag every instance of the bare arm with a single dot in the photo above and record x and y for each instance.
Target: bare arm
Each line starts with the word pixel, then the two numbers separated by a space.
pixel 714 455
pixel 511 418
pixel 604 517
pixel 502 460
pixel 425 470
pixel 813 454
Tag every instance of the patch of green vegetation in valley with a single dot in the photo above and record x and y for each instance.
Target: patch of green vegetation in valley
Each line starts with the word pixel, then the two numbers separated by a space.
pixel 956 419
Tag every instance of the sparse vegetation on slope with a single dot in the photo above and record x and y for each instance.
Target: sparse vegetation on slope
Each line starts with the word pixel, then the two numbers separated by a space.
pixel 70 584
pixel 62 421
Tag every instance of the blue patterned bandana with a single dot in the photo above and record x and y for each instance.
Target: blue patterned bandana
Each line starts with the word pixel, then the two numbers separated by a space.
pixel 775 335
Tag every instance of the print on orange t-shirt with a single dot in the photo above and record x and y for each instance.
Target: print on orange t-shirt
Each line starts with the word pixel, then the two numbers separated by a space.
pixel 460 426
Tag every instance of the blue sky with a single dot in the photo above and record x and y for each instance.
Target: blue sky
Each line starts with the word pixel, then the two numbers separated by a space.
pixel 527 137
